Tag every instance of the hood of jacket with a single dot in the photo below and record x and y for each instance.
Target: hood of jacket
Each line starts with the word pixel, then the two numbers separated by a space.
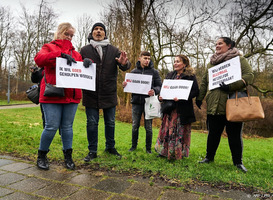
pixel 63 44
pixel 150 66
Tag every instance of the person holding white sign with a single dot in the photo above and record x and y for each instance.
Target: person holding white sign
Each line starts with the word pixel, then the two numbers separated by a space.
pixel 108 59
pixel 145 66
pixel 59 111
pixel 174 135
pixel 216 103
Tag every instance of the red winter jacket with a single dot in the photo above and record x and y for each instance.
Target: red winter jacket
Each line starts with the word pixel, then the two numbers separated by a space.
pixel 46 58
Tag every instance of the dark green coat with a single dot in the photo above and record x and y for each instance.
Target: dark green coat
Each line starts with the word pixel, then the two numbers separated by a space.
pixel 216 99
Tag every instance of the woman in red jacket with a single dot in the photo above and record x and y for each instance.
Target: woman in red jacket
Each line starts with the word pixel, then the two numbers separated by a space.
pixel 59 111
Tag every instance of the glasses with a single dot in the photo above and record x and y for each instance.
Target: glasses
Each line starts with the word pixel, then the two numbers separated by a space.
pixel 68 35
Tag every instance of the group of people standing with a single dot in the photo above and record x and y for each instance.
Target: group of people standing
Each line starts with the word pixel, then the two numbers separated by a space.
pixel 174 136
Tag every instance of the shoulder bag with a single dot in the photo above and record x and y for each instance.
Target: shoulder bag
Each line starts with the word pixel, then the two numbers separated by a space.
pixel 242 107
pixel 33 94
pixel 52 90
pixel 167 106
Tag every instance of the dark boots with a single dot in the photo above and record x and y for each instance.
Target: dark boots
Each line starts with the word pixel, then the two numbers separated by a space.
pixel 68 159
pixel 42 161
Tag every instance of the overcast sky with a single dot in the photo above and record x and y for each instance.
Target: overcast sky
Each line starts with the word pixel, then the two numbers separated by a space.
pixel 68 10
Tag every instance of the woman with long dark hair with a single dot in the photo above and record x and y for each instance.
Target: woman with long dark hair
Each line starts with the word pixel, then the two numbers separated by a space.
pixel 174 135
pixel 216 104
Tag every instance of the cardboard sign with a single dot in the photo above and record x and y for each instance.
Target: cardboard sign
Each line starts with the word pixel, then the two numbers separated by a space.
pixel 227 72
pixel 176 88
pixel 75 76
pixel 138 83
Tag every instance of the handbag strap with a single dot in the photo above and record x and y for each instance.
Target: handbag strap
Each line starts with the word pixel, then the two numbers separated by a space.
pixel 244 82
pixel 236 96
pixel 249 99
pixel 45 77
pixel 45 73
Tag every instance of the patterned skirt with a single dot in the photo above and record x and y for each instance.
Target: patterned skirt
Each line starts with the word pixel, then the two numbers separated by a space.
pixel 174 139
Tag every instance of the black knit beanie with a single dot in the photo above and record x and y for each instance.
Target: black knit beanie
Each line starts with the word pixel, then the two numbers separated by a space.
pixel 94 26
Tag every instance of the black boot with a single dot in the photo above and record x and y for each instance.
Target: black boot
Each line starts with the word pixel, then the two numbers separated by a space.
pixel 241 167
pixel 134 141
pixel 42 161
pixel 206 160
pixel 132 149
pixel 68 159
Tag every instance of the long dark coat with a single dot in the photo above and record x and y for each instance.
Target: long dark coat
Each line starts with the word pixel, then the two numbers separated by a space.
pixel 185 107
pixel 105 95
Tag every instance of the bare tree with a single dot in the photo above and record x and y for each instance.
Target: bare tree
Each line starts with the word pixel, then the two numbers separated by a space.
pixel 250 24
pixel 33 31
pixel 83 28
pixel 45 23
pixel 125 22
pixel 6 22
pixel 173 30
pixel 133 15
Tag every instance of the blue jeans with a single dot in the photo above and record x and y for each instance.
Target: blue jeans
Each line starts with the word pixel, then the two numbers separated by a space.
pixel 58 116
pixel 92 115
pixel 137 111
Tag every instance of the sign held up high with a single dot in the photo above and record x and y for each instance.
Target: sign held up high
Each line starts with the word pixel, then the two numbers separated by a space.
pixel 227 72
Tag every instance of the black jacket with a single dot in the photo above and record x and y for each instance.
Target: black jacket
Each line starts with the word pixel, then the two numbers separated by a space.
pixel 105 95
pixel 156 81
pixel 185 107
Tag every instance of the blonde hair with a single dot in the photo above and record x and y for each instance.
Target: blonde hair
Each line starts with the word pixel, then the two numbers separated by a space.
pixel 188 69
pixel 62 28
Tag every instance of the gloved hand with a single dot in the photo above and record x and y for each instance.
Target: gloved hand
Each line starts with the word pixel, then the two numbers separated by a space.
pixel 68 58
pixel 87 62
pixel 198 103
pixel 224 87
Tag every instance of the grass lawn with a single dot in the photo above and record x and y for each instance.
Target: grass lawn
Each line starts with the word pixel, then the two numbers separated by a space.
pixel 5 102
pixel 20 131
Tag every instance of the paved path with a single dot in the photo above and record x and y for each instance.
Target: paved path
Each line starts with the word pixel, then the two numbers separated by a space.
pixel 21 179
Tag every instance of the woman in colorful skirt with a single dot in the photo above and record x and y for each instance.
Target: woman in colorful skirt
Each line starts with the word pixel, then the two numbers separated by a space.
pixel 174 136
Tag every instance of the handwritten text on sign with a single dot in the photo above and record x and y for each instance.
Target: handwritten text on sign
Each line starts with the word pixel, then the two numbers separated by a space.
pixel 75 76
pixel 227 72
pixel 176 88
pixel 138 83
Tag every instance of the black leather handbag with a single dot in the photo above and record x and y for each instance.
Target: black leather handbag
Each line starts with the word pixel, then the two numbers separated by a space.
pixel 52 90
pixel 33 94
pixel 167 106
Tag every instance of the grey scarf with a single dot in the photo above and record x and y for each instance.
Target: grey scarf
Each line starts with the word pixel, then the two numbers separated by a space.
pixel 98 45
pixel 219 58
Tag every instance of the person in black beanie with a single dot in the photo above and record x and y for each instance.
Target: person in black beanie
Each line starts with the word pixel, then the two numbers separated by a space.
pixel 108 59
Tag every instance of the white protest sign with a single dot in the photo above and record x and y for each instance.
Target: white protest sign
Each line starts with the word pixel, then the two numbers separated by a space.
pixel 227 72
pixel 176 88
pixel 138 83
pixel 75 76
